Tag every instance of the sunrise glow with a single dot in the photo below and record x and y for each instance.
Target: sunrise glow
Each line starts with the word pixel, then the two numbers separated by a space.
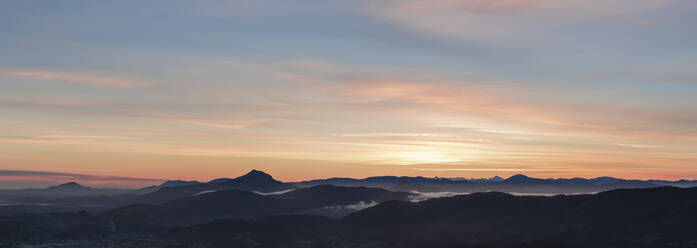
pixel 201 90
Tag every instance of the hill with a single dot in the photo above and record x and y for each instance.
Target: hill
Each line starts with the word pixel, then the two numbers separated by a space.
pixel 324 199
pixel 253 181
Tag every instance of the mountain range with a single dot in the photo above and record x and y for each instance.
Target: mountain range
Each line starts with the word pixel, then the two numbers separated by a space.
pixel 647 217
pixel 515 184
pixel 72 195
pixel 327 199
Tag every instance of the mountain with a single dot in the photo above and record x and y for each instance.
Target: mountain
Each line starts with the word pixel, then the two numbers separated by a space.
pixel 171 183
pixel 68 185
pixel 652 217
pixel 330 195
pixel 70 189
pixel 515 184
pixel 238 203
pixel 522 179
pixel 176 183
pixel 253 181
pixel 679 183
pixel 649 217
pixel 210 206
pixel 624 218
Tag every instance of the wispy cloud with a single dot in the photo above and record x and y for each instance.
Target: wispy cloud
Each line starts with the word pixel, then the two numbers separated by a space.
pixel 78 78
pixel 225 123
pixel 493 20
pixel 59 139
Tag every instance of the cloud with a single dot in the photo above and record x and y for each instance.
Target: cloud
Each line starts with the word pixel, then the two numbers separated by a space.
pixel 78 78
pixel 60 139
pixel 352 207
pixel 275 192
pixel 501 20
pixel 422 196
pixel 20 178
pixel 514 109
pixel 205 192
pixel 225 123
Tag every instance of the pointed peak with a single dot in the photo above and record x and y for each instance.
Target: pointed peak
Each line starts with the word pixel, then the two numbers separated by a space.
pixel 257 173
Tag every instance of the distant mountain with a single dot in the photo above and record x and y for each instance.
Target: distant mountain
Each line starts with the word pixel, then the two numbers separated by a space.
pixel 522 179
pixel 70 189
pixel 679 183
pixel 253 181
pixel 171 183
pixel 68 185
pixel 515 184
pixel 237 203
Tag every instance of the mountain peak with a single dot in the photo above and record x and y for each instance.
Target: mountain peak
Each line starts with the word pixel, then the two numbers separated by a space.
pixel 69 185
pixel 257 174
pixel 518 178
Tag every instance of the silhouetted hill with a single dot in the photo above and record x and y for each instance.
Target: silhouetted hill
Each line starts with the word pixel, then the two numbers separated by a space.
pixel 268 231
pixel 328 195
pixel 655 217
pixel 522 179
pixel 253 181
pixel 171 183
pixel 70 189
pixel 210 206
pixel 32 227
pixel 652 217
pixel 514 184
pixel 238 203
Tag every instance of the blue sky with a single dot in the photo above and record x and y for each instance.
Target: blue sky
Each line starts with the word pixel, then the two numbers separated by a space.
pixel 477 87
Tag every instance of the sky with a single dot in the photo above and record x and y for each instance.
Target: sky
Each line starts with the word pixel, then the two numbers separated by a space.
pixel 151 90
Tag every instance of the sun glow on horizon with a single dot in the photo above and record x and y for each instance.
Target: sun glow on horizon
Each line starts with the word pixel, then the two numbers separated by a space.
pixel 200 89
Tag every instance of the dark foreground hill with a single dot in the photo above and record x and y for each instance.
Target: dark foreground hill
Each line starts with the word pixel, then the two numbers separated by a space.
pixel 654 217
pixel 237 203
